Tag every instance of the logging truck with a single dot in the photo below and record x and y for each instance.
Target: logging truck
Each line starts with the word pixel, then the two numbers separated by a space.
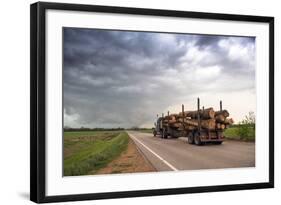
pixel 200 126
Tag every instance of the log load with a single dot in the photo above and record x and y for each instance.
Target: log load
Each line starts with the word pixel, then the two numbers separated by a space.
pixel 224 113
pixel 229 121
pixel 220 126
pixel 220 118
pixel 172 121
pixel 171 117
pixel 205 114
pixel 209 119
pixel 178 124
pixel 207 124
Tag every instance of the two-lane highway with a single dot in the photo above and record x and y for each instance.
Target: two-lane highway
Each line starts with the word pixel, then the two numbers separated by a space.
pixel 177 154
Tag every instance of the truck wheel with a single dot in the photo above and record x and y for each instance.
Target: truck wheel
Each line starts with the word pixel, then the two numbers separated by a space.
pixel 165 134
pixel 197 139
pixel 190 138
pixel 154 133
pixel 218 142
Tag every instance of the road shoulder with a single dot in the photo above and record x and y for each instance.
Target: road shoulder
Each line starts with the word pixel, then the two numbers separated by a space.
pixel 130 161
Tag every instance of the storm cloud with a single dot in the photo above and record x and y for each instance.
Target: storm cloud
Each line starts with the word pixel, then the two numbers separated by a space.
pixel 123 79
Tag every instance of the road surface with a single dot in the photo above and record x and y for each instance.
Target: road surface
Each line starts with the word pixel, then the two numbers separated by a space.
pixel 177 154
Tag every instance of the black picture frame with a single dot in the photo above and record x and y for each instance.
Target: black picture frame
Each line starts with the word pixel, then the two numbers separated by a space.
pixel 38 101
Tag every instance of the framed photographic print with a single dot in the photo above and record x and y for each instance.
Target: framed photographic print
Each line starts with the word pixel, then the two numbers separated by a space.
pixel 129 102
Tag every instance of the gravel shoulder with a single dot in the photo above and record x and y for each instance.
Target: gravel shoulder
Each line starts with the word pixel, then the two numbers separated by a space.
pixel 130 161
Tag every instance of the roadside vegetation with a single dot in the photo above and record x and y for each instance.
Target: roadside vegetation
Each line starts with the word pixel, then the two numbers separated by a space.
pixel 88 151
pixel 244 130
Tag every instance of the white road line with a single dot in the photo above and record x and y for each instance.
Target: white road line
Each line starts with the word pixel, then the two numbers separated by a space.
pixel 163 160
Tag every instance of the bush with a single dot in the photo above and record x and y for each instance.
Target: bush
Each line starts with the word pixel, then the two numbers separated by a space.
pixel 243 131
pixel 246 128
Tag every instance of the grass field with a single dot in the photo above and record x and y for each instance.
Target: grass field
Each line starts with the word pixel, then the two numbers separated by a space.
pixel 89 151
pixel 233 133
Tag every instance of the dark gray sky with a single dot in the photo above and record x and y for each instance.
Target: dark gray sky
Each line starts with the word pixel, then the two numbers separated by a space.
pixel 119 78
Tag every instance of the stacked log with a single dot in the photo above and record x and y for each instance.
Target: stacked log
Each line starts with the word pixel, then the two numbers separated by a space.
pixel 222 119
pixel 228 121
pixel 209 119
pixel 208 113
pixel 224 113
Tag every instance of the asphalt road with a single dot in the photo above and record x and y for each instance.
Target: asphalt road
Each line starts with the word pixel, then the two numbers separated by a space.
pixel 177 154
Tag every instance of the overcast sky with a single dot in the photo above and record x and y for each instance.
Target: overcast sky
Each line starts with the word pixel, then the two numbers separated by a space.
pixel 123 79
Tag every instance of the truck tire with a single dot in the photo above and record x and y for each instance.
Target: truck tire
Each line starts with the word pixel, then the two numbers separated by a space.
pixel 165 134
pixel 190 138
pixel 154 133
pixel 197 139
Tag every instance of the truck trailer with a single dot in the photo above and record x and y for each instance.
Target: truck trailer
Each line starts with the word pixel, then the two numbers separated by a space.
pixel 195 128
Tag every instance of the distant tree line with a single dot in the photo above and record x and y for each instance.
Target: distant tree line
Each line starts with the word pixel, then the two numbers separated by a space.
pixel 71 129
pixel 139 128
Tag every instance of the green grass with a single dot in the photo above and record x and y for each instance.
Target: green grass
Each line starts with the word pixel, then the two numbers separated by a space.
pixel 234 133
pixel 86 152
